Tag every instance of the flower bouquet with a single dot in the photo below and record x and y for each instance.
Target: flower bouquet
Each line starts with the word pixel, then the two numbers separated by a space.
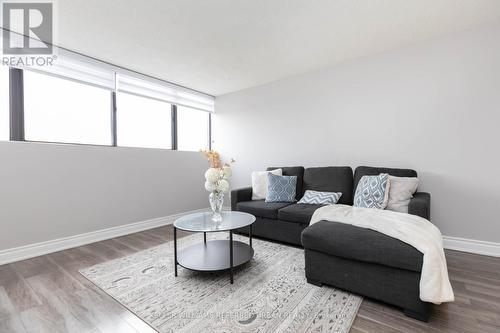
pixel 216 182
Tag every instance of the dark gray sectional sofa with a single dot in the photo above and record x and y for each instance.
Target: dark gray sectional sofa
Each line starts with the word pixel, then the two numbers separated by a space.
pixel 356 259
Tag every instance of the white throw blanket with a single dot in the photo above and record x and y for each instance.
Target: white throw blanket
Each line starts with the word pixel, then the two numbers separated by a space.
pixel 416 231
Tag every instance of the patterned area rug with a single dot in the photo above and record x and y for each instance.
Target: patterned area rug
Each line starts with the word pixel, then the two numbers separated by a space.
pixel 269 294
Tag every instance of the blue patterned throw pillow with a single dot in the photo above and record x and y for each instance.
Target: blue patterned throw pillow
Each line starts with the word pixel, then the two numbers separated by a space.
pixel 316 197
pixel 281 188
pixel 372 192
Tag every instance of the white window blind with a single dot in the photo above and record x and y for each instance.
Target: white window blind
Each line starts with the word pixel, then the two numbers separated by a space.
pixel 164 91
pixel 73 66
pixel 83 69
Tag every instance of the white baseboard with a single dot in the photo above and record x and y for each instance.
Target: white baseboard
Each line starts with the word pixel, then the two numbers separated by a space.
pixel 472 246
pixel 38 249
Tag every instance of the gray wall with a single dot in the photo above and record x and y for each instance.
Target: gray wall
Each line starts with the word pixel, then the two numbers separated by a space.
pixel 48 191
pixel 434 107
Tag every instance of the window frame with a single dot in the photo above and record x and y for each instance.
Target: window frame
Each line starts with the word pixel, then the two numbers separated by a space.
pixel 208 120
pixel 20 114
pixel 173 121
pixel 17 121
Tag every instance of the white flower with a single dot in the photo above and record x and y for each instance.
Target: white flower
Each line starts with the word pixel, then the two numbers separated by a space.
pixel 210 187
pixel 226 172
pixel 223 186
pixel 212 175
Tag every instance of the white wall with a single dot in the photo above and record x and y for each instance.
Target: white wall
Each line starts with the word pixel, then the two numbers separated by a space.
pixel 434 107
pixel 50 191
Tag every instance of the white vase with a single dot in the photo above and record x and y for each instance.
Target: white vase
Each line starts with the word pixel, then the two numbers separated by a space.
pixel 216 200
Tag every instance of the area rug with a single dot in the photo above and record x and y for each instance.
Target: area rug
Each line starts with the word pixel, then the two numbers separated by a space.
pixel 269 294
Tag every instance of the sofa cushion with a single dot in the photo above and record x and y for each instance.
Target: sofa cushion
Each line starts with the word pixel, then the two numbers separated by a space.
pixel 330 179
pixel 401 191
pixel 350 242
pixel 281 188
pixel 259 183
pixel 372 192
pixel 261 208
pixel 299 213
pixel 322 198
pixel 293 171
pixel 373 171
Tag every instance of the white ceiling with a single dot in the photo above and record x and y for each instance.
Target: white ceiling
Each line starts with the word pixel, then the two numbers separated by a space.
pixel 220 46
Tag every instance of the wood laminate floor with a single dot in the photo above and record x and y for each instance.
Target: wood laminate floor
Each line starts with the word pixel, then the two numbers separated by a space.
pixel 47 294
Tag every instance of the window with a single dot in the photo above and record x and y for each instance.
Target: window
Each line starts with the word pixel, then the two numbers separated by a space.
pixel 72 101
pixel 4 103
pixel 143 122
pixel 59 110
pixel 192 129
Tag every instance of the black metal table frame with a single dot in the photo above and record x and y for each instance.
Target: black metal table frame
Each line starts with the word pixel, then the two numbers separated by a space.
pixel 205 241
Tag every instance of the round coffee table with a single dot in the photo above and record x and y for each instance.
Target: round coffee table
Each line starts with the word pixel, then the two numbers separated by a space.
pixel 214 255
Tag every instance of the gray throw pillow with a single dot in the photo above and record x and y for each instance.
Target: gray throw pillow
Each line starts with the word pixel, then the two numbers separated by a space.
pixel 316 197
pixel 372 192
pixel 281 188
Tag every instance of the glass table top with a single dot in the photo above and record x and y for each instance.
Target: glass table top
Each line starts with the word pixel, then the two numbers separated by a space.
pixel 202 222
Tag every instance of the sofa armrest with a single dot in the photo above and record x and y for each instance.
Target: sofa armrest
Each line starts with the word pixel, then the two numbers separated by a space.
pixel 420 205
pixel 239 195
